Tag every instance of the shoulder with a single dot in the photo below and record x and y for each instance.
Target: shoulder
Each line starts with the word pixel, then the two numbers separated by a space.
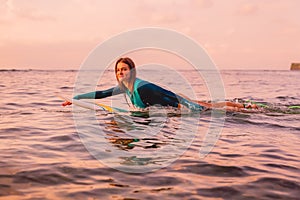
pixel 143 83
pixel 139 81
pixel 148 87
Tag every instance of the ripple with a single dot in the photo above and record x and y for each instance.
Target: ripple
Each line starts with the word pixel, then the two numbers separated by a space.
pixel 7 190
pixel 62 138
pixel 160 181
pixel 278 184
pixel 272 188
pixel 215 170
pixel 41 176
pixel 281 166
pixel 278 157
pixel 98 193
pixel 220 192
pixel 66 87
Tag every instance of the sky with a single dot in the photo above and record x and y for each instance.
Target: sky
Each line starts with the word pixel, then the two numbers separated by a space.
pixel 236 34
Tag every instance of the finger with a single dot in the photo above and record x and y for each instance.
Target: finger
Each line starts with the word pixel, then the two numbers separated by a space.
pixel 66 103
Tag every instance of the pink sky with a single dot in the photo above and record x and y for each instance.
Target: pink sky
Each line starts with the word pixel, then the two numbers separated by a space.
pixel 237 34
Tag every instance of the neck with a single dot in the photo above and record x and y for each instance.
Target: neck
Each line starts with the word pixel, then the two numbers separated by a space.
pixel 126 84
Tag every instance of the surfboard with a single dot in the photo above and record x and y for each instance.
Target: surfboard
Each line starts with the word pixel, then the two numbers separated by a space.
pixel 91 105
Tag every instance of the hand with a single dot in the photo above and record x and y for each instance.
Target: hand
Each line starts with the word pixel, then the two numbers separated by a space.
pixel 66 103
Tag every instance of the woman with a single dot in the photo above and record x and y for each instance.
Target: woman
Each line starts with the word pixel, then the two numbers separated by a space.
pixel 142 93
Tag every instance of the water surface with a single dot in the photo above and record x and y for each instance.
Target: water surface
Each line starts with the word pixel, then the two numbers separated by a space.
pixel 42 156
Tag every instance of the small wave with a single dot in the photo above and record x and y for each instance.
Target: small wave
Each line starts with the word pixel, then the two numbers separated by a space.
pixel 41 176
pixel 285 97
pixel 215 170
pixel 160 181
pixel 281 166
pixel 263 188
pixel 13 104
pixel 6 190
pixel 272 156
pixel 60 138
pixel 15 70
pixel 8 130
pixel 34 104
pixel 66 87
pixel 278 183
pixel 220 192
pixel 275 188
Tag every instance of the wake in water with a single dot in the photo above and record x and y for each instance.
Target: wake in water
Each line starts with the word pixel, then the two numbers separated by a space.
pixel 268 107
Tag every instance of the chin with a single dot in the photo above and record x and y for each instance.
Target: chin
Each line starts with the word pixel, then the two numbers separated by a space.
pixel 124 79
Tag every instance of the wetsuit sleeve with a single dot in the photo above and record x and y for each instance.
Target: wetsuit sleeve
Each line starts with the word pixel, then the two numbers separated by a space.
pixel 99 94
pixel 152 94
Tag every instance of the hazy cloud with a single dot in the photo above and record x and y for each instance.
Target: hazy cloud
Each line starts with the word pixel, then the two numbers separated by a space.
pixel 202 3
pixel 247 9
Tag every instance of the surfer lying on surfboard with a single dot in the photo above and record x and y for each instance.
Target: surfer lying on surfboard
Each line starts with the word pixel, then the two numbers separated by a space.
pixel 143 94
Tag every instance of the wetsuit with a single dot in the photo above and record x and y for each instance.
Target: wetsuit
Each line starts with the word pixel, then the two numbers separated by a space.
pixel 145 94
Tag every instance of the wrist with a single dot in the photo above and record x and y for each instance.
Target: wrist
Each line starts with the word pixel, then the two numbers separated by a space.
pixel 76 97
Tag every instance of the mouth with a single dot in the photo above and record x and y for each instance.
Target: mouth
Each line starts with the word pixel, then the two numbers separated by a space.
pixel 121 78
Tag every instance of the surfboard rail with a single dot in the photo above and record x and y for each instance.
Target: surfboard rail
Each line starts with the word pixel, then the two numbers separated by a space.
pixel 92 106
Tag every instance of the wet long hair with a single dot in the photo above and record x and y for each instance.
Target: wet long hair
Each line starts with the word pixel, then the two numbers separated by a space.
pixel 132 77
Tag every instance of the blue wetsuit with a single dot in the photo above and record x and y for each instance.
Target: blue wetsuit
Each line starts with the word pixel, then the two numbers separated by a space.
pixel 145 94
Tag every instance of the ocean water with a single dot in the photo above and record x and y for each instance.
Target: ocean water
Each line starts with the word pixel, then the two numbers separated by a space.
pixel 52 152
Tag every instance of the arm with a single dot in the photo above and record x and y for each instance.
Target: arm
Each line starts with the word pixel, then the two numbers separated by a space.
pixel 99 94
pixel 96 95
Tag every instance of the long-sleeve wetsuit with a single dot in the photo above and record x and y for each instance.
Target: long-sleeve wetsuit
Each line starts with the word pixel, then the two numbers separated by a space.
pixel 145 94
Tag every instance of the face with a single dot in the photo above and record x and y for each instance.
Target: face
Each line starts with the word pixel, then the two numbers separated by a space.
pixel 123 72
